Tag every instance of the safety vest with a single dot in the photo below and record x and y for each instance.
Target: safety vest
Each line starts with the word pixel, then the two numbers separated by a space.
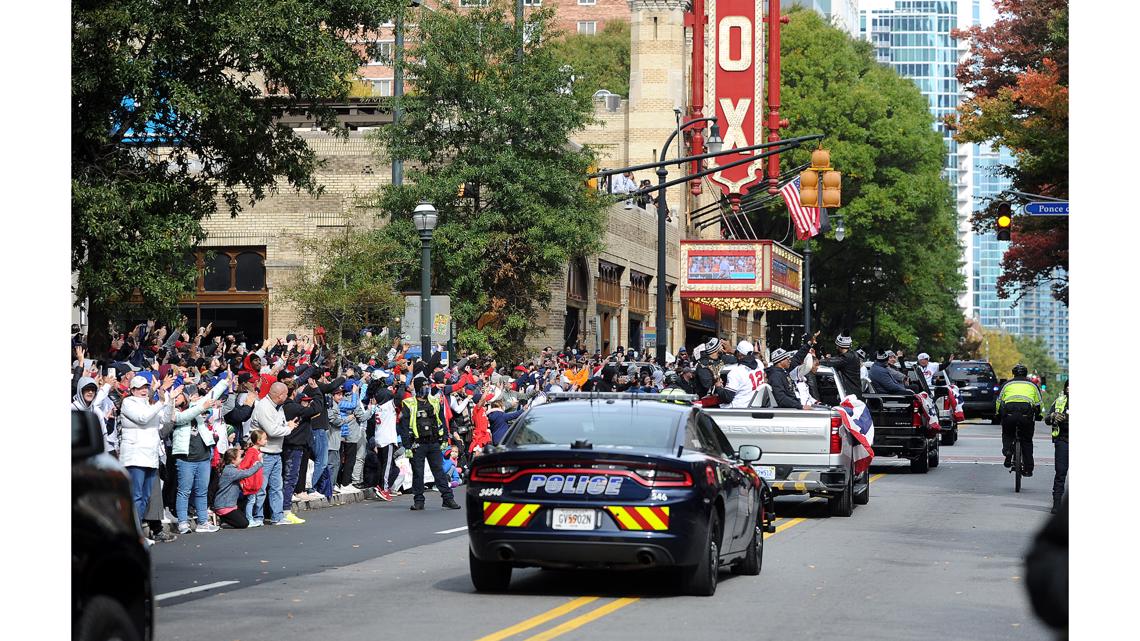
pixel 674 391
pixel 1059 407
pixel 412 407
pixel 1019 392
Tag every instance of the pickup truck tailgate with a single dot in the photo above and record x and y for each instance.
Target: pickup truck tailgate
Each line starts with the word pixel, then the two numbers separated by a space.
pixel 802 437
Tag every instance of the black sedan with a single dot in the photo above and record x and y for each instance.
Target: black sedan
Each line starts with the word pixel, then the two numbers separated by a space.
pixel 616 481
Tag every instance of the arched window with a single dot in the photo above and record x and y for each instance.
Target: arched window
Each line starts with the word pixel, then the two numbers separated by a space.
pixel 250 276
pixel 218 277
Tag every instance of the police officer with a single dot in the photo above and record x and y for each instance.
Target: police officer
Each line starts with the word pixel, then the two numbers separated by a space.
pixel 1058 417
pixel 1019 405
pixel 422 431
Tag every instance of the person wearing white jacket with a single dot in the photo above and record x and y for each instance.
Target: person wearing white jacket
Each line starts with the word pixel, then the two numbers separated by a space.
pixel 140 422
pixel 193 454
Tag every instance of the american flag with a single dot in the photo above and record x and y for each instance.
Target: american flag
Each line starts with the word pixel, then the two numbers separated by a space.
pixel 857 420
pixel 806 219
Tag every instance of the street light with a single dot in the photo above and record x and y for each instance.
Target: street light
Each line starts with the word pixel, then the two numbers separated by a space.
pixel 424 218
pixel 840 229
pixel 714 144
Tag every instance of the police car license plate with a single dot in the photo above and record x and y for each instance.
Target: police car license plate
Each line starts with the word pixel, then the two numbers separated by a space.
pixel 574 519
pixel 767 472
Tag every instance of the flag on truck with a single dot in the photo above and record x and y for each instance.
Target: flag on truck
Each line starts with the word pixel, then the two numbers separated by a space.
pixel 857 420
pixel 806 219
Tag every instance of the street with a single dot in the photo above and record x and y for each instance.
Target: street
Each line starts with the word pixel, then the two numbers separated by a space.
pixel 932 556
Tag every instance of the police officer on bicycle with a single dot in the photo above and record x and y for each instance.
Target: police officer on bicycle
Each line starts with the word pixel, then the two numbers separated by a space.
pixel 1019 405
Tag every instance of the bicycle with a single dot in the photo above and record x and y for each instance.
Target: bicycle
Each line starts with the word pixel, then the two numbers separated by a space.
pixel 1016 469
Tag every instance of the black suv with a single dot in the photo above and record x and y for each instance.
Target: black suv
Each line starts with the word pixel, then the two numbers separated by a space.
pixel 977 386
pixel 111 592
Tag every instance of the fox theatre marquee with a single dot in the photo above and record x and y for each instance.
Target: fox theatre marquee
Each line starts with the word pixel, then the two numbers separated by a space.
pixel 741 275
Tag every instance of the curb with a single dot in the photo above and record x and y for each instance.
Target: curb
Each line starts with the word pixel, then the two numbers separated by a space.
pixel 367 494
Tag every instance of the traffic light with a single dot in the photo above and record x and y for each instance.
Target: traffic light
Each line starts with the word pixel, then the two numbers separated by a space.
pixel 809 188
pixel 469 190
pixel 1004 220
pixel 831 184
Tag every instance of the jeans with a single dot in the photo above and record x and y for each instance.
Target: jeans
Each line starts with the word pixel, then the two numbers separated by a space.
pixel 358 466
pixel 430 453
pixel 320 447
pixel 192 475
pixel 271 465
pixel 291 458
pixel 334 467
pixel 254 502
pixel 1061 463
pixel 142 481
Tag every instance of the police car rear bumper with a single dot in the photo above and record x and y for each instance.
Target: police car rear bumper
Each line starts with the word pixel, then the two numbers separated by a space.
pixel 652 550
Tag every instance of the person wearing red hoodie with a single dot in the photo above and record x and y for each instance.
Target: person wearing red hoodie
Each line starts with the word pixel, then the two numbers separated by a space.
pixel 263 382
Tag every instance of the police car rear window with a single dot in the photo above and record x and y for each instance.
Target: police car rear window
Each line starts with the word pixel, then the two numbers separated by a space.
pixel 972 372
pixel 616 425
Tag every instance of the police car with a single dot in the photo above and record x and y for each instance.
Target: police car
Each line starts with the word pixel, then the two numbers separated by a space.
pixel 614 480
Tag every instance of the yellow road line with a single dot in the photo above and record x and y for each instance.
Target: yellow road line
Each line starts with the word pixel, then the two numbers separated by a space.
pixel 791 523
pixel 876 477
pixel 582 620
pixel 539 619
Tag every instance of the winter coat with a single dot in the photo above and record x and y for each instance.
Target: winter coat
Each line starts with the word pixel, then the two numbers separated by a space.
pixel 883 382
pixel 500 422
pixel 189 418
pixel 229 484
pixel 269 417
pixel 140 425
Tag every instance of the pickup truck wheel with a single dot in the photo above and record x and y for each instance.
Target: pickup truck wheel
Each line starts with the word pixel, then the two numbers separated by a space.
pixel 934 454
pixel 921 463
pixel 700 580
pixel 489 576
pixel 864 497
pixel 950 436
pixel 754 557
pixel 844 504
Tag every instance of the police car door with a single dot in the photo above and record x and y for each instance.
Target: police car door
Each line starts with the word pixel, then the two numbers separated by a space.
pixel 729 478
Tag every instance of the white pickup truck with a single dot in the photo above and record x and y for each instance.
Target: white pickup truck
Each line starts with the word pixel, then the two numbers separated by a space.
pixel 804 451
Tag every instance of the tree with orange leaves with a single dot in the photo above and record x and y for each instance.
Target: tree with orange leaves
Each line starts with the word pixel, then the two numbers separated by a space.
pixel 1018 74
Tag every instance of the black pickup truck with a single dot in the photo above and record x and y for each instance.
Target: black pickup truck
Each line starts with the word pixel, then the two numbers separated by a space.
pixel 906 425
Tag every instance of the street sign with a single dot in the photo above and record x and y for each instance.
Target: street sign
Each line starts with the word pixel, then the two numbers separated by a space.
pixel 441 318
pixel 649 340
pixel 1047 209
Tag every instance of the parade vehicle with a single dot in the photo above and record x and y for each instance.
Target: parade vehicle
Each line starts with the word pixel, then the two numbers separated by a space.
pixel 111 592
pixel 978 386
pixel 907 425
pixel 805 451
pixel 947 401
pixel 617 481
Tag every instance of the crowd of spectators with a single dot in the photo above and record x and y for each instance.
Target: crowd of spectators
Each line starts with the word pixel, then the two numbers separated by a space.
pixel 216 432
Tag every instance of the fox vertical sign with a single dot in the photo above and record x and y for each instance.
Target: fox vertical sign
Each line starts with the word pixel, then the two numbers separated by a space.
pixel 734 81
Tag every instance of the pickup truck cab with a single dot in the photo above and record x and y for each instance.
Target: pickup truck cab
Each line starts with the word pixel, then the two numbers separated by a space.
pixel 805 451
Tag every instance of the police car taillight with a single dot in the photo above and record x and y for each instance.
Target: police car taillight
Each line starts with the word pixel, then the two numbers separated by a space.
pixel 493 473
pixel 663 478
pixel 836 444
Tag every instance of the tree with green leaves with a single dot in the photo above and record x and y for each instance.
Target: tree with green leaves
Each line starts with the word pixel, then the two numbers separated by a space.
pixel 346 284
pixel 1017 77
pixel 599 61
pixel 174 109
pixel 896 205
pixel 1035 355
pixel 478 114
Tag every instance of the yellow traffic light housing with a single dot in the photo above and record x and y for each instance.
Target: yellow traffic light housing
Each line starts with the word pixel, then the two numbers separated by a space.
pixel 809 188
pixel 468 190
pixel 832 181
pixel 821 159
pixel 1004 220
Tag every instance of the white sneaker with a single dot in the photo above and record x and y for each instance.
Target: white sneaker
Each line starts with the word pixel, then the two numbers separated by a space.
pixel 183 528
pixel 167 515
pixel 206 528
pixel 348 489
pixel 255 523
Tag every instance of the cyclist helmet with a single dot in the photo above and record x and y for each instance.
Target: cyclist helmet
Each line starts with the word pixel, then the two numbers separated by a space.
pixel 1020 370
pixel 671 378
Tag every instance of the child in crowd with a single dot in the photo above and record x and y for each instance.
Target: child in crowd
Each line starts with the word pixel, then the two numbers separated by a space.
pixel 256 499
pixel 229 489
pixel 451 465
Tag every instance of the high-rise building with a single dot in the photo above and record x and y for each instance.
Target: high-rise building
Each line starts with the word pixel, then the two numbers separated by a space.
pixel 842 14
pixel 914 38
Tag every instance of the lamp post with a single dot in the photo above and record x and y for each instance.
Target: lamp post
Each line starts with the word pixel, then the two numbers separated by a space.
pixel 714 144
pixel 425 217
pixel 878 272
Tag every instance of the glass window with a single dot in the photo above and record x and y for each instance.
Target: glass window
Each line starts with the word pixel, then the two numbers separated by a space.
pixel 217 273
pixel 381 86
pixel 603 424
pixel 587 2
pixel 250 272
pixel 587 27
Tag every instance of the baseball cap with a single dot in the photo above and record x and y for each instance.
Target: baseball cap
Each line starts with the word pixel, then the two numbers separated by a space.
pixel 924 355
pixel 139 381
